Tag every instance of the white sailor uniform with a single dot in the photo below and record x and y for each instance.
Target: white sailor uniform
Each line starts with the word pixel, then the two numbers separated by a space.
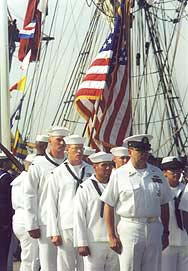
pixel 175 256
pixel 29 246
pixel 61 194
pixel 184 200
pixel 90 229
pixel 35 194
pixel 137 196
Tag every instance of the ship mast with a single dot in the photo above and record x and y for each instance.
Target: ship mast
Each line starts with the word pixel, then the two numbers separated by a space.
pixel 4 77
pixel 158 108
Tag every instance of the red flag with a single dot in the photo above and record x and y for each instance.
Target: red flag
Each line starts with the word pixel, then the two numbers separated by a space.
pixel 103 98
pixel 33 44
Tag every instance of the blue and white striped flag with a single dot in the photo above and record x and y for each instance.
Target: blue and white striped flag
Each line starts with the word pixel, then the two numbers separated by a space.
pixel 28 31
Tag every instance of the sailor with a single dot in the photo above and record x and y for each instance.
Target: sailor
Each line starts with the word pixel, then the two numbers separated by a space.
pixel 120 156
pixel 29 246
pixel 35 194
pixel 175 256
pixel 183 206
pixel 6 210
pixel 63 184
pixel 87 151
pixel 90 233
pixel 140 194
pixel 41 144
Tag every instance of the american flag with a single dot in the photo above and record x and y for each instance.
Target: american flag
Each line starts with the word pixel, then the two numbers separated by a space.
pixel 103 97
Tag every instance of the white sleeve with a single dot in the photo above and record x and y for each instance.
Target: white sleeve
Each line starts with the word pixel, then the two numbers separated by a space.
pixel 184 200
pixel 80 224
pixel 52 206
pixel 111 193
pixel 30 198
pixel 14 197
pixel 166 194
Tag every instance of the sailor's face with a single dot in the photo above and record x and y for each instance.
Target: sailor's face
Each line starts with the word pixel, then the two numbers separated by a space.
pixel 120 160
pixel 57 143
pixel 173 176
pixel 75 152
pixel 139 154
pixel 139 157
pixel 103 170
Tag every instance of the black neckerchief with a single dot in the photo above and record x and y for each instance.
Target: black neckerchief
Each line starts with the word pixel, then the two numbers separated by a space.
pixel 50 160
pixel 177 211
pixel 100 193
pixel 79 180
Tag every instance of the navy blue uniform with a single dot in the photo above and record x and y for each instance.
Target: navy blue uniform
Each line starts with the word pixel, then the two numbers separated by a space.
pixel 5 217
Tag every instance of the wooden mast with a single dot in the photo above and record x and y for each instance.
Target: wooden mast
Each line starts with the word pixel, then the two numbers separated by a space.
pixel 4 77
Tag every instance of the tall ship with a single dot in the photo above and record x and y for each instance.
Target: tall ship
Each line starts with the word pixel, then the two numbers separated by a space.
pixel 153 96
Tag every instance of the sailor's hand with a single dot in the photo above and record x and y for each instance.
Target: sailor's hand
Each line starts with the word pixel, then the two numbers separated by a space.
pixel 83 251
pixel 34 233
pixel 115 244
pixel 56 240
pixel 165 241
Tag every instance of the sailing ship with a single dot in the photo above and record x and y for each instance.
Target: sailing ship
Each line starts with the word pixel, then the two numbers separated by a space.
pixel 156 69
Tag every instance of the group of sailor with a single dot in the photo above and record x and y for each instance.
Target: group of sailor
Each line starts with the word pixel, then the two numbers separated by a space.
pixel 76 215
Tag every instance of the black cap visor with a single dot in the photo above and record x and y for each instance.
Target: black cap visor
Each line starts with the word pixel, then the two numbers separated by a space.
pixel 140 146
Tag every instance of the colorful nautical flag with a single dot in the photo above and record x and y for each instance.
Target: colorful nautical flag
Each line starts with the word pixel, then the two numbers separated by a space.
pixel 16 115
pixel 33 44
pixel 25 63
pixel 19 146
pixel 20 85
pixel 28 31
pixel 43 6
pixel 103 97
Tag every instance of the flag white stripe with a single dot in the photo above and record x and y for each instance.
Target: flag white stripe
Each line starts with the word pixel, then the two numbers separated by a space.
pixel 42 6
pixel 104 54
pixel 98 70
pixel 93 84
pixel 25 62
pixel 30 25
pixel 27 32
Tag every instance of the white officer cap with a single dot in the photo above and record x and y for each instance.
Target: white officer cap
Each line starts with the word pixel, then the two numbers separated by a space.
pixel 100 157
pixel 88 151
pixel 42 138
pixel 30 157
pixel 171 162
pixel 74 140
pixel 3 156
pixel 138 141
pixel 58 131
pixel 119 151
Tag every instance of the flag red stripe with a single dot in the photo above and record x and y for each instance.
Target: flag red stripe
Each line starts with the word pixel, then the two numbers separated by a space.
pixel 123 131
pixel 101 62
pixel 117 105
pixel 85 92
pixel 95 77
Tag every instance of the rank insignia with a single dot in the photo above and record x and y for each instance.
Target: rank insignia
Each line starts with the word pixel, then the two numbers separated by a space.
pixel 156 179
pixel 158 193
pixel 131 174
